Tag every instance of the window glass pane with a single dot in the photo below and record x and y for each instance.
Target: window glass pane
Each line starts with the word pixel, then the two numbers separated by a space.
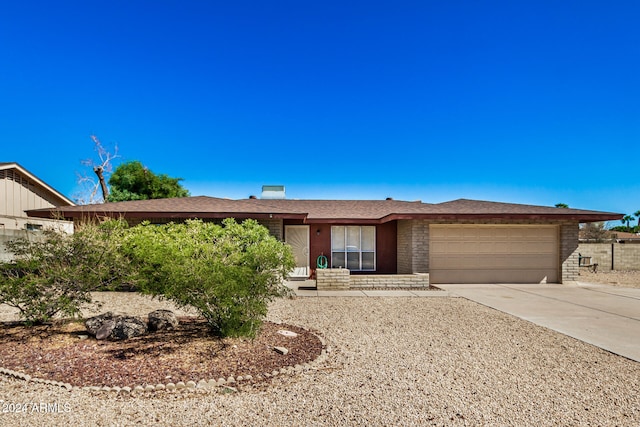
pixel 353 247
pixel 353 260
pixel 353 238
pixel 368 261
pixel 337 260
pixel 337 238
pixel 368 238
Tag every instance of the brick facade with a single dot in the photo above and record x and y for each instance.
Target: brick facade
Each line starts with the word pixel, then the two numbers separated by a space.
pixel 413 246
pixel 569 252
pixel 274 226
pixel 332 278
pixel 341 278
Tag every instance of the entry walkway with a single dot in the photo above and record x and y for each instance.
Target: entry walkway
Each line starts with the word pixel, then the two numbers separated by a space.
pixel 605 316
pixel 298 287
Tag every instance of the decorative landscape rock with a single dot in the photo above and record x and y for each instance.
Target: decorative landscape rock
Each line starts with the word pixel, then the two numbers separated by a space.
pixel 105 329
pixel 94 323
pixel 108 325
pixel 128 327
pixel 162 319
pixel 281 350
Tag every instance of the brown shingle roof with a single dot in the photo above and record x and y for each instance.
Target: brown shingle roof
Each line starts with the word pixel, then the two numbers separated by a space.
pixel 335 211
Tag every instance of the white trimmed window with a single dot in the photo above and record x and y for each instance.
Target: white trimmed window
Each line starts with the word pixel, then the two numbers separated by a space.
pixel 353 247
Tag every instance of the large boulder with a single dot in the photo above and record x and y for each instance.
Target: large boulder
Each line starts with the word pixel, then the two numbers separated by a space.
pixel 106 329
pixel 128 327
pixel 162 319
pixel 112 326
pixel 93 324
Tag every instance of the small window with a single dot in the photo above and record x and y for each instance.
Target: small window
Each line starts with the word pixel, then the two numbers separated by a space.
pixel 33 227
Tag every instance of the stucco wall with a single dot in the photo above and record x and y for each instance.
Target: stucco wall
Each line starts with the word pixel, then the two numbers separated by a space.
pixel 8 235
pixel 612 256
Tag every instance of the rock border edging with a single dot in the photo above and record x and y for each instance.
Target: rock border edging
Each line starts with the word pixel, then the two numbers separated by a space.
pixel 202 385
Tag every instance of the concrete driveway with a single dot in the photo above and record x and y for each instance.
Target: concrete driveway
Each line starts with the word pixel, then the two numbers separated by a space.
pixel 605 316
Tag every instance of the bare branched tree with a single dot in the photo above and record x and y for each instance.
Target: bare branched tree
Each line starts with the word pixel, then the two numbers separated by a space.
pixel 89 184
pixel 595 232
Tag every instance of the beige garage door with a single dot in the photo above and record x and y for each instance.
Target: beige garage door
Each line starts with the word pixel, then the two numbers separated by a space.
pixel 493 254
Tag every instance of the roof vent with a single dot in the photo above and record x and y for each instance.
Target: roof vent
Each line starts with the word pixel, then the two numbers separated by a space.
pixel 273 192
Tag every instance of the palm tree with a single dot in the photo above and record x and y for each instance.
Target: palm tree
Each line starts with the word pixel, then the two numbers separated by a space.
pixel 637 214
pixel 626 220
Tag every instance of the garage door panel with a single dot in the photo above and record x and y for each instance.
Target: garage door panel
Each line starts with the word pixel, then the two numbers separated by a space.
pixel 490 276
pixel 493 254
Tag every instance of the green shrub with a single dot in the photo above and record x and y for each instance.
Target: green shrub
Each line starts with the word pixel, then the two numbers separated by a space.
pixel 55 274
pixel 228 272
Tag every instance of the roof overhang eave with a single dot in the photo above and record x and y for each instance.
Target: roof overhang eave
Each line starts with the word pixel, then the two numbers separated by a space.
pixel 342 221
pixel 581 218
pixel 80 214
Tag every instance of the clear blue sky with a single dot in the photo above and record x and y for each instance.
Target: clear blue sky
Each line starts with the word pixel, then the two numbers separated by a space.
pixel 532 102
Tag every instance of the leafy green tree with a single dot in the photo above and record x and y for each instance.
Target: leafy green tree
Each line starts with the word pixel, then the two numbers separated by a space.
pixel 562 205
pixel 228 272
pixel 55 275
pixel 133 181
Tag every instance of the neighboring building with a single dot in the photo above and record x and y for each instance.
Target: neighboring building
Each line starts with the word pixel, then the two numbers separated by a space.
pixel 624 237
pixel 462 241
pixel 20 190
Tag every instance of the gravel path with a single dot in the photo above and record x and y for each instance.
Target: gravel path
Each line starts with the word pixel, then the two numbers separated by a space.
pixel 394 361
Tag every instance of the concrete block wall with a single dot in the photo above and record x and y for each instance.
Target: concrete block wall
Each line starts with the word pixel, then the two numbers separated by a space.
pixel 569 257
pixel 612 256
pixel 389 281
pixel 404 238
pixel 626 256
pixel 275 227
pixel 332 278
pixel 341 278
pixel 413 246
pixel 600 253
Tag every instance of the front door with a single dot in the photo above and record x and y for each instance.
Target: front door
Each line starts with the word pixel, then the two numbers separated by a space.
pixel 297 236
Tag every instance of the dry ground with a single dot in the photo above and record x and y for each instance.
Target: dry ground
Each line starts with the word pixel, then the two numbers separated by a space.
pixel 392 361
pixel 630 279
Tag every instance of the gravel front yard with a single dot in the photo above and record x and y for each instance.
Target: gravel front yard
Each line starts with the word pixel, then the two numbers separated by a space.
pixel 629 279
pixel 394 361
